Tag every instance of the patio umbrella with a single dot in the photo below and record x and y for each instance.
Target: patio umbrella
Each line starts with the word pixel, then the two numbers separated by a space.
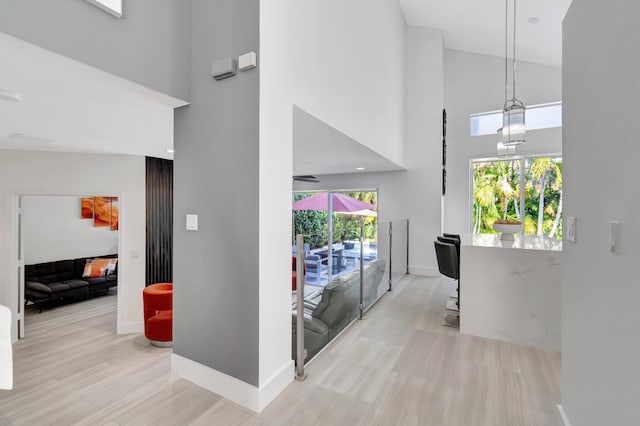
pixel 340 203
pixel 365 212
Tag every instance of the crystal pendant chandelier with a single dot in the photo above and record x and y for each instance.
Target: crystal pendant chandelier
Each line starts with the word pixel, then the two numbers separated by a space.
pixel 513 131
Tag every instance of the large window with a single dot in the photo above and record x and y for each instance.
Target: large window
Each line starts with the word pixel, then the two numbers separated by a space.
pixel 528 189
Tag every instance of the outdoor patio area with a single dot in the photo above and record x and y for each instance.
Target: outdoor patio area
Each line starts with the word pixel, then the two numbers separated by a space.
pixel 346 258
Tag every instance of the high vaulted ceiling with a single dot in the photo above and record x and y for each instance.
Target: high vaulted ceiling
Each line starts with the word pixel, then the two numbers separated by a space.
pixel 68 106
pixel 478 25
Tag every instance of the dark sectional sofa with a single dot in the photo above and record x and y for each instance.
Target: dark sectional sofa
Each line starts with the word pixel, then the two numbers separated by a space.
pixel 62 279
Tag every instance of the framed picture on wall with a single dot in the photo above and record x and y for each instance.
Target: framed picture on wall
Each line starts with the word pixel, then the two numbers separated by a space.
pixel 86 208
pixel 114 213
pixel 101 211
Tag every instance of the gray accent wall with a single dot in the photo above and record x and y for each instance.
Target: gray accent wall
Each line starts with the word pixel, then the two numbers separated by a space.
pixel 216 176
pixel 600 291
pixel 148 45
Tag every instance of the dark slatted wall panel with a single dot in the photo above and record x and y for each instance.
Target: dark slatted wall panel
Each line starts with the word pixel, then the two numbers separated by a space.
pixel 159 220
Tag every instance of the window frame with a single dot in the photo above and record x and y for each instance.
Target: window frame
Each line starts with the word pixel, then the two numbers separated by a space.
pixel 497 114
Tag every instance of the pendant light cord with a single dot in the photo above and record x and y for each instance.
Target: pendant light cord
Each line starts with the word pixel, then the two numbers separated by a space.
pixel 506 51
pixel 514 49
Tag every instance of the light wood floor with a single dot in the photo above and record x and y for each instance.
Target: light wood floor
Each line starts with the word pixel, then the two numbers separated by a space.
pixel 397 367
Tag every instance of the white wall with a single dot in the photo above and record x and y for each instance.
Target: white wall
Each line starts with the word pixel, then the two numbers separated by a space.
pixel 40 173
pixel 341 62
pixel 475 83
pixel 600 314
pixel 53 230
pixel 413 194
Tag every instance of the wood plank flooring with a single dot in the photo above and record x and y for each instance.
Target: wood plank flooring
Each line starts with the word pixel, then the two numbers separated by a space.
pixel 397 367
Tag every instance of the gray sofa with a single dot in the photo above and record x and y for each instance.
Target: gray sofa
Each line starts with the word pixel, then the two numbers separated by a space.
pixel 338 306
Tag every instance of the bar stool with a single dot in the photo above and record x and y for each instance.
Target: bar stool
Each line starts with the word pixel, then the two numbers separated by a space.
pixel 449 266
pixel 455 240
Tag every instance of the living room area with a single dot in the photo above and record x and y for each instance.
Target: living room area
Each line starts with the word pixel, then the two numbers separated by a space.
pixel 69 246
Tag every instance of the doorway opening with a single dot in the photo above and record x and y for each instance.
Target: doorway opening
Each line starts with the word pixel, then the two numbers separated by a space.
pixel 66 249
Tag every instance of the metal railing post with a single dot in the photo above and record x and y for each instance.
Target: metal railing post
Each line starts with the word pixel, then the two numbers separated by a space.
pixel 361 268
pixel 301 352
pixel 390 254
pixel 407 265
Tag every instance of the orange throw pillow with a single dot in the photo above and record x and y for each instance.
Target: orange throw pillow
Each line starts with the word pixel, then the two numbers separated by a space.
pixel 97 267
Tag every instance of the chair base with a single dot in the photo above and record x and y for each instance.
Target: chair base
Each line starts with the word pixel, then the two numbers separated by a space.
pixel 452 305
pixel 159 344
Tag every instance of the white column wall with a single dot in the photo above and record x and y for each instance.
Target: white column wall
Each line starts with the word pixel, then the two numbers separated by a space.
pixel 600 315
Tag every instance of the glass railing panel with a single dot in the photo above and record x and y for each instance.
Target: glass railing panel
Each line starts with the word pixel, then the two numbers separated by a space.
pixel 380 280
pixel 399 250
pixel 330 306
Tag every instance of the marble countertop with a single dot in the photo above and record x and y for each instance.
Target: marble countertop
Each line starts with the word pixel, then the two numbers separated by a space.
pixel 523 242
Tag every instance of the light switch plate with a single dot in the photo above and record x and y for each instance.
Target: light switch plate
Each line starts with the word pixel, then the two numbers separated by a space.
pixel 572 229
pixel 192 222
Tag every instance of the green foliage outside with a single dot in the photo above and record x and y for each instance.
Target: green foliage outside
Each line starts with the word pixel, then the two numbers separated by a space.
pixel 496 195
pixel 313 224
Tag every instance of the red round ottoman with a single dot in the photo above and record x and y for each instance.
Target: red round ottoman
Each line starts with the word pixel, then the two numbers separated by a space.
pixel 158 313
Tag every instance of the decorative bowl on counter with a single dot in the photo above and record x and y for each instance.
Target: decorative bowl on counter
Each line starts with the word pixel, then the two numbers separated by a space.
pixel 507 228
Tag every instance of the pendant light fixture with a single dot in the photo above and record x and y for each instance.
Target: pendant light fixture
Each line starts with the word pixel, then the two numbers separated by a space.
pixel 513 131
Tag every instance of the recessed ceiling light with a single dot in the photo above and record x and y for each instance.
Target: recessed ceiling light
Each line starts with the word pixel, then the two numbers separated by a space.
pixel 359 168
pixel 10 95
pixel 534 20
pixel 171 150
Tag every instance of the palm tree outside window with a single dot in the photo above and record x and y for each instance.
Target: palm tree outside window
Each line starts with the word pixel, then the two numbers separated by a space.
pixel 528 189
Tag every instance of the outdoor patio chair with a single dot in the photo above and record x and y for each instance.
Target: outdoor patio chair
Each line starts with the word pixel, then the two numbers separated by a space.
pixel 314 267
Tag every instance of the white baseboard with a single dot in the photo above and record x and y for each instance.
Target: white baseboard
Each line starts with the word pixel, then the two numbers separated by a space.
pixel 249 396
pixel 131 328
pixel 276 384
pixel 424 271
pixel 565 419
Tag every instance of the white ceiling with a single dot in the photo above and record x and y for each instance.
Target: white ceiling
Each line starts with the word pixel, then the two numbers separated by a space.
pixel 69 106
pixel 478 25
